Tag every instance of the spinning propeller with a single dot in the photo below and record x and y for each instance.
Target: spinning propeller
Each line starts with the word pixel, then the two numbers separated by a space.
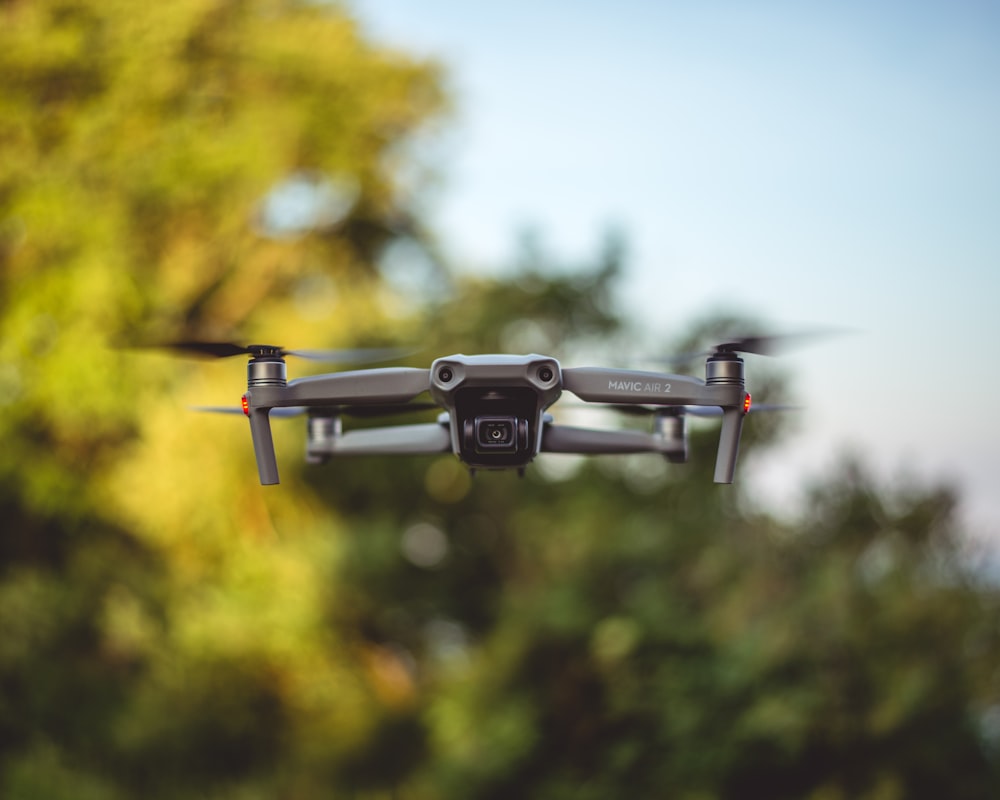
pixel 357 411
pixel 761 344
pixel 696 411
pixel 230 349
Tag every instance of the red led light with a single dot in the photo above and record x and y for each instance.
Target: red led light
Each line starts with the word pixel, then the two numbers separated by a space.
pixel 746 402
pixel 246 405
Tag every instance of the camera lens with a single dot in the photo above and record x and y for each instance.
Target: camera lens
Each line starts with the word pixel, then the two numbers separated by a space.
pixel 496 431
pixel 495 434
pixel 445 374
pixel 545 374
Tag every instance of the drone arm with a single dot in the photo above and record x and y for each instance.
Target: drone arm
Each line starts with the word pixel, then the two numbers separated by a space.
pixel 421 439
pixel 360 387
pixel 263 445
pixel 375 386
pixel 623 386
pixel 729 444
pixel 567 439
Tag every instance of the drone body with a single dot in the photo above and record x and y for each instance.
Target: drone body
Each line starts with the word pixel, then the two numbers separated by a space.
pixel 493 408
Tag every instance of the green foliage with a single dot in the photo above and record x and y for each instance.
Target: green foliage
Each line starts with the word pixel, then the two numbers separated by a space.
pixel 706 654
pixel 373 628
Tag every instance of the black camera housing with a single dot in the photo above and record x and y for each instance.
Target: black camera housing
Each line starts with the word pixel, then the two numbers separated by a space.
pixel 496 426
pixel 496 405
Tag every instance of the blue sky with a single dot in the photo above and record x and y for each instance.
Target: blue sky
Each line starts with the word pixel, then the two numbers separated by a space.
pixel 810 163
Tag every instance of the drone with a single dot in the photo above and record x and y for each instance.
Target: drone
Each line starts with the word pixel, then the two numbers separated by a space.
pixel 494 408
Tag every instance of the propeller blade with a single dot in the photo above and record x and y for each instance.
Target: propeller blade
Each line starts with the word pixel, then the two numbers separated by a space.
pixel 706 411
pixel 695 411
pixel 763 344
pixel 756 408
pixel 206 349
pixel 359 411
pixel 357 355
pixel 291 411
pixel 645 411
pixel 771 344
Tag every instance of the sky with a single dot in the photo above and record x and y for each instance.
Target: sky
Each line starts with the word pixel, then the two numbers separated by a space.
pixel 812 164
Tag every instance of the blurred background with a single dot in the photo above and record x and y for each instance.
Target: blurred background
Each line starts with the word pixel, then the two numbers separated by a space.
pixel 813 164
pixel 601 187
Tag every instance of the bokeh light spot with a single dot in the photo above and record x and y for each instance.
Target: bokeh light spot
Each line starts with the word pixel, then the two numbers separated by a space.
pixel 424 545
pixel 447 481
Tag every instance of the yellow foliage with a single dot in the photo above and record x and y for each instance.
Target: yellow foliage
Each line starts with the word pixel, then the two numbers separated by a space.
pixel 138 145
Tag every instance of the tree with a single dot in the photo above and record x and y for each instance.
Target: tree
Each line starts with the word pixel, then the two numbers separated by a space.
pixel 626 627
pixel 662 645
pixel 220 169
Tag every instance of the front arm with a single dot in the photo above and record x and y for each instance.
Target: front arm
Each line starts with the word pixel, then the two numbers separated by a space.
pixel 725 391
pixel 360 387
pixel 624 386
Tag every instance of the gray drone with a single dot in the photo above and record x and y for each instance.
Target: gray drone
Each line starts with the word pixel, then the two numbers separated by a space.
pixel 494 407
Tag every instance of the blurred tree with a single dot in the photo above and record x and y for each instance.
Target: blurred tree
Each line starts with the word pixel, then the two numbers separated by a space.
pixel 663 645
pixel 622 626
pixel 230 168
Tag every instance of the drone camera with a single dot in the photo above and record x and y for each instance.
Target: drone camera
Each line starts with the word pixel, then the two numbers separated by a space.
pixel 495 427
pixel 495 432
pixel 498 434
pixel 495 404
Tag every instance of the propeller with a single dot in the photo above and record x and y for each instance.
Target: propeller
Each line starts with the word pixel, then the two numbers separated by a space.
pixel 770 344
pixel 229 349
pixel 694 411
pixel 762 344
pixel 359 411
